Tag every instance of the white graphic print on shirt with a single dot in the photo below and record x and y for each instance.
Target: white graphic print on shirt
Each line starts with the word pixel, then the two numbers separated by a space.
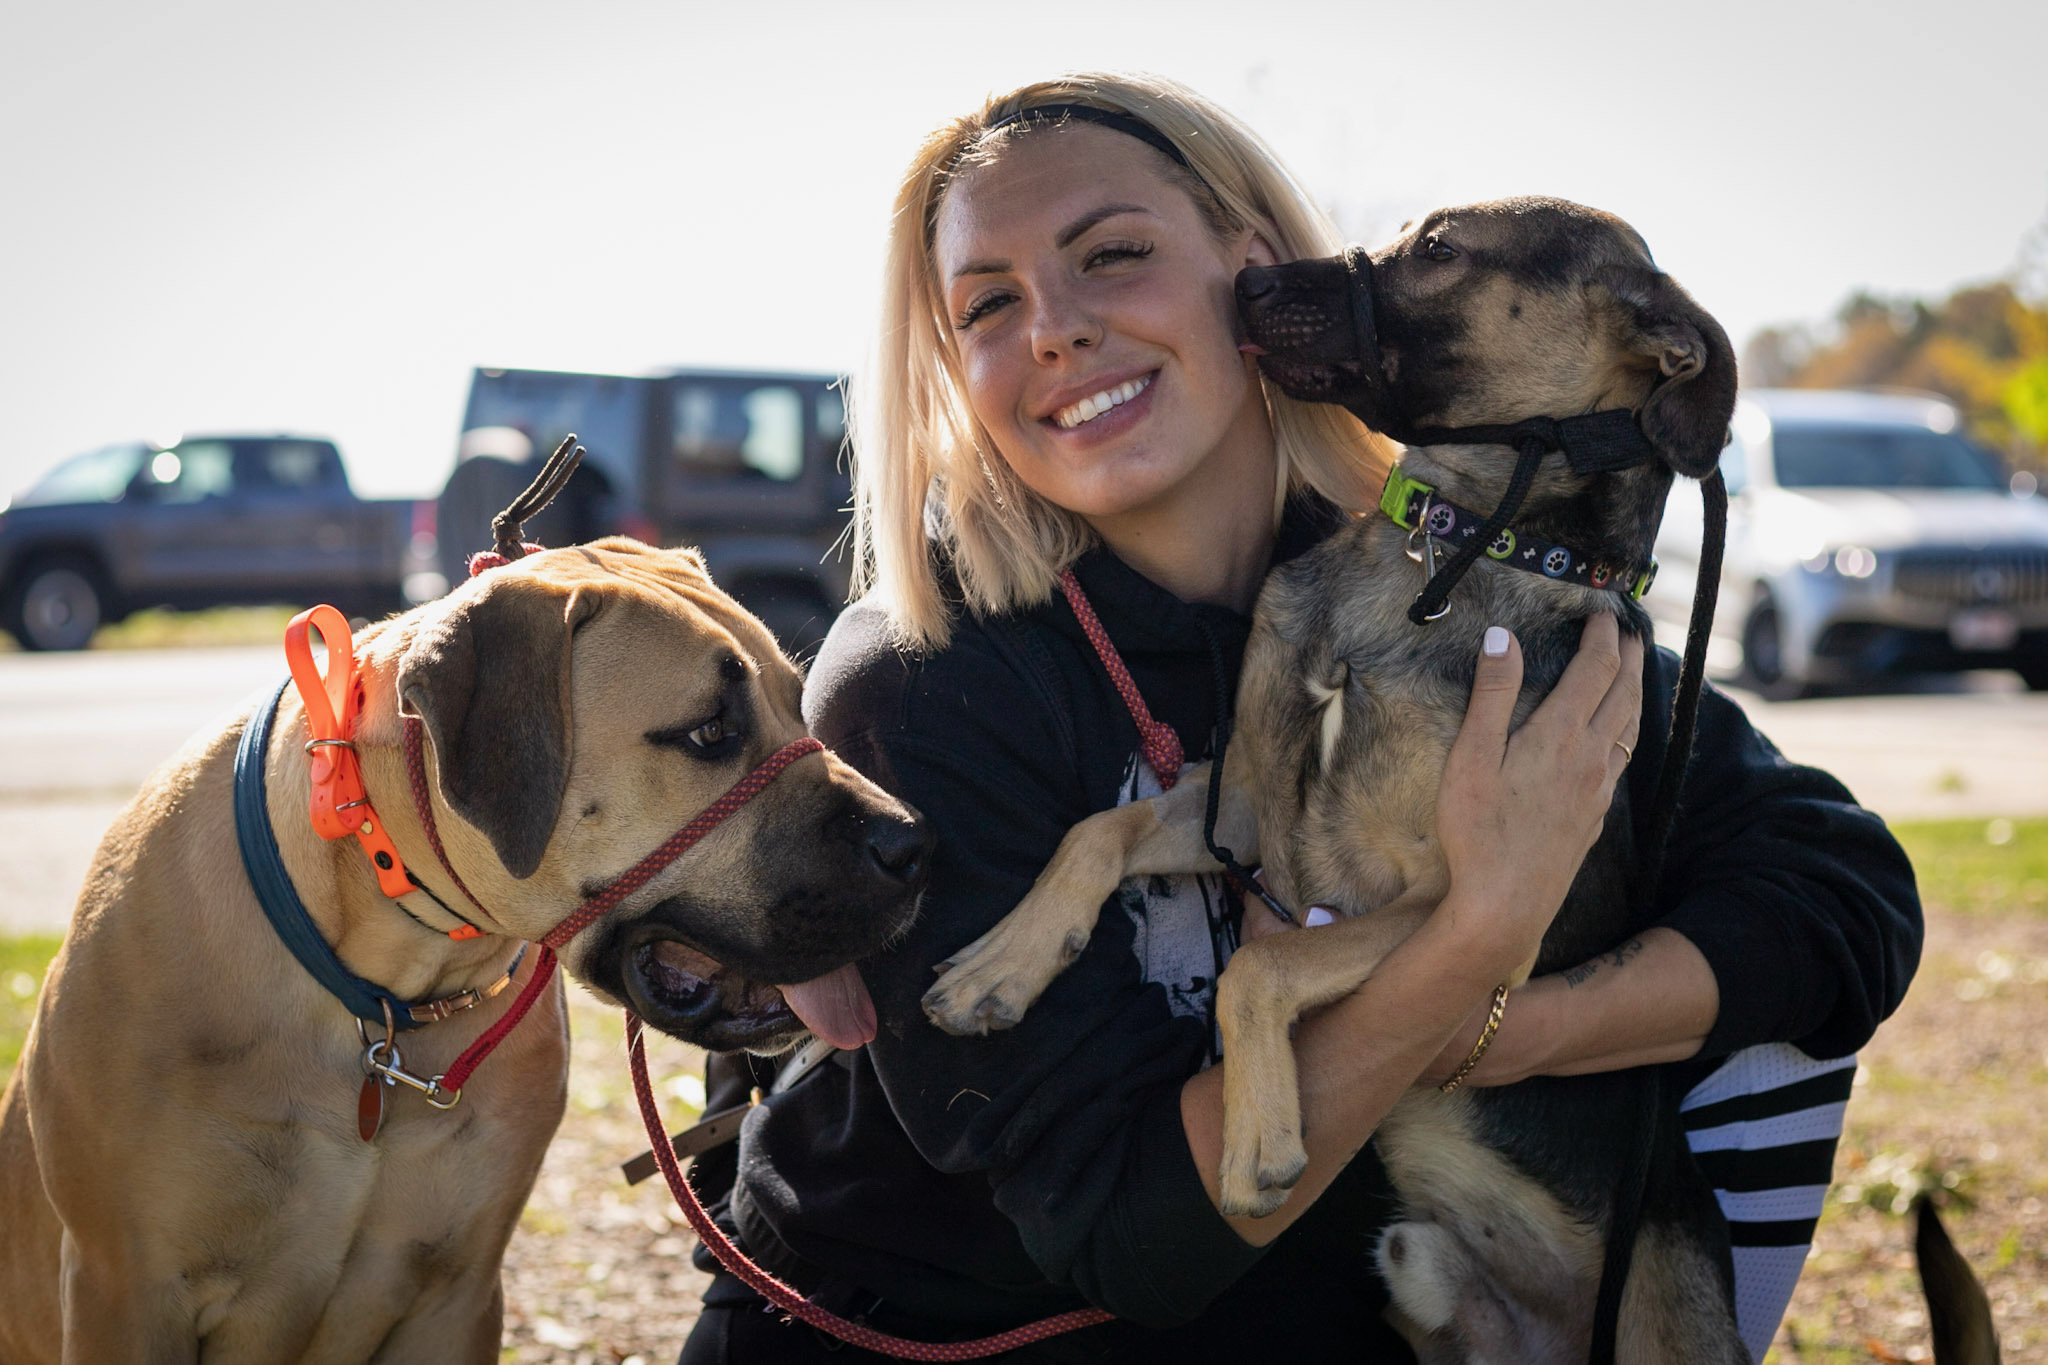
pixel 1181 928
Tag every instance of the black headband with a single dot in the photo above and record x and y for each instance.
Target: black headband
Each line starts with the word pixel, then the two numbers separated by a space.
pixel 1108 118
pixel 1087 113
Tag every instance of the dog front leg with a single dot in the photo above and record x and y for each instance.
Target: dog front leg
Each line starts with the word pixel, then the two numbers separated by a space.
pixel 991 982
pixel 107 1318
pixel 1266 987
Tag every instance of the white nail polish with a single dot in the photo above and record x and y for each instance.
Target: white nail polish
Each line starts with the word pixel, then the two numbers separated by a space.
pixel 1495 643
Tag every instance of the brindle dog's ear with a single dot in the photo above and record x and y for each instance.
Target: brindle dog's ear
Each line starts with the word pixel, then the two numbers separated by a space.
pixel 490 681
pixel 1688 411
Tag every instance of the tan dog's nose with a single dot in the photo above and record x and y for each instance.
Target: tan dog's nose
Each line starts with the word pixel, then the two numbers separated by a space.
pixel 898 850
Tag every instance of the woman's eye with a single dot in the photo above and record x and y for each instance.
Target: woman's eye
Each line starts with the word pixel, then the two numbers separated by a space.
pixel 979 309
pixel 1111 252
pixel 1438 250
pixel 708 734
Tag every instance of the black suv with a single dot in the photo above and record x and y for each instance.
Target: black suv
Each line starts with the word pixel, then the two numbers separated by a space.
pixel 745 466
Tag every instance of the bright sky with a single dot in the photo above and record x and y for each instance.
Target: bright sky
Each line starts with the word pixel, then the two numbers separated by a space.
pixel 264 216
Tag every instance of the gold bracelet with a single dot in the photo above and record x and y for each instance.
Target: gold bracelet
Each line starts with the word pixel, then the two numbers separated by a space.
pixel 1500 1007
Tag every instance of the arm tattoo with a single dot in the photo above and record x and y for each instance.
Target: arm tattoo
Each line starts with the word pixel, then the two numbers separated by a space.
pixel 1581 974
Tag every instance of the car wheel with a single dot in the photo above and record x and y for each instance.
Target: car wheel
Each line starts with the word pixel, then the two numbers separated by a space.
pixel 1763 654
pixel 2035 674
pixel 57 604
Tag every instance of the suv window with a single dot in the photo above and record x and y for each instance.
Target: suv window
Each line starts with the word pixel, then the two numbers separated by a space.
pixel 726 428
pixel 192 472
pixel 292 465
pixel 1881 457
pixel 97 476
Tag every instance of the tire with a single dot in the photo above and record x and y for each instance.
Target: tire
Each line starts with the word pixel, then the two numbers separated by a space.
pixel 2034 673
pixel 57 603
pixel 1763 654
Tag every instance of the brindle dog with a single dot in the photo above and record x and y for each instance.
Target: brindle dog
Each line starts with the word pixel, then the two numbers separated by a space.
pixel 181 1171
pixel 1488 314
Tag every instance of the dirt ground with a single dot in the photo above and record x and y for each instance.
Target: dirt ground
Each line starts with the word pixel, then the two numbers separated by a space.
pixel 1950 1096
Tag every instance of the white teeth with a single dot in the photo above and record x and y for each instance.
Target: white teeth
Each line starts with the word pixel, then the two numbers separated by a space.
pixel 1088 409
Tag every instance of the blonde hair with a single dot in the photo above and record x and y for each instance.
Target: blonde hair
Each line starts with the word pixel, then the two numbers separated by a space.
pixel 924 468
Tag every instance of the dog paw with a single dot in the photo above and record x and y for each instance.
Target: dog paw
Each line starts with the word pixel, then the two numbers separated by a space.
pixel 1258 1172
pixel 991 982
pixel 962 1008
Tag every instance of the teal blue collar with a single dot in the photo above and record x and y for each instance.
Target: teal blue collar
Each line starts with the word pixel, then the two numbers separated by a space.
pixel 288 914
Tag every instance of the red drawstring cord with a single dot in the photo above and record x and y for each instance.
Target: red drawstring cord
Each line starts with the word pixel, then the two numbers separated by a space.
pixel 1156 739
pixel 785 1296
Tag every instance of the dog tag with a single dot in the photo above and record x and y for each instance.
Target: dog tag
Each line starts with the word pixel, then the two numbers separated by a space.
pixel 370 1108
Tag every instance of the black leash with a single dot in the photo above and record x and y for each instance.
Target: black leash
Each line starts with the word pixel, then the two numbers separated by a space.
pixel 1685 706
pixel 1240 877
pixel 1627 1220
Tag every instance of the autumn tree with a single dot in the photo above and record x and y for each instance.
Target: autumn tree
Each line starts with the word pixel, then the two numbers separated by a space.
pixel 1984 348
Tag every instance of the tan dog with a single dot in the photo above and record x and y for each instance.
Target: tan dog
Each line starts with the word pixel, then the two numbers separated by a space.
pixel 180 1167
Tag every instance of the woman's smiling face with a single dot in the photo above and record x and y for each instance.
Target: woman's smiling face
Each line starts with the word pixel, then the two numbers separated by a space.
pixel 1090 303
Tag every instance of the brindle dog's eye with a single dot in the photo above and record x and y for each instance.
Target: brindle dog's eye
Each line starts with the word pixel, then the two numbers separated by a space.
pixel 1437 249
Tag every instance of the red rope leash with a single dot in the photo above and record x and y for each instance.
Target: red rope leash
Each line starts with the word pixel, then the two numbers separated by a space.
pixel 472 1056
pixel 1156 739
pixel 785 1296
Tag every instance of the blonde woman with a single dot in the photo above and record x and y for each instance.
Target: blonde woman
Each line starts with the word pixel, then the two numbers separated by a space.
pixel 1057 385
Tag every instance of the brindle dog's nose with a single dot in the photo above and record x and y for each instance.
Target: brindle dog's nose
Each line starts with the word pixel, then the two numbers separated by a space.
pixel 898 849
pixel 1254 282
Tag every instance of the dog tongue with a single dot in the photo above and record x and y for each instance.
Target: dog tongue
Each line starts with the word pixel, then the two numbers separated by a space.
pixel 835 1006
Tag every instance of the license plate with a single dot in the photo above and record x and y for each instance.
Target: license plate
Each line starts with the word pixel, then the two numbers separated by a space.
pixel 1983 630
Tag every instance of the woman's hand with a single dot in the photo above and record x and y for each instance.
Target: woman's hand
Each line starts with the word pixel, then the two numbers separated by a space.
pixel 1518 812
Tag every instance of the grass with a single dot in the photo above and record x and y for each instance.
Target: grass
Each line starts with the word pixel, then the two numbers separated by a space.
pixel 22 964
pixel 162 628
pixel 1980 866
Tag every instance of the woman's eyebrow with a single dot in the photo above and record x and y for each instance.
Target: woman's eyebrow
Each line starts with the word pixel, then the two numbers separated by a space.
pixel 1071 231
pixel 1063 239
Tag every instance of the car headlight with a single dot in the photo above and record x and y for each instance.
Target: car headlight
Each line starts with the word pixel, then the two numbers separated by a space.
pixel 1848 561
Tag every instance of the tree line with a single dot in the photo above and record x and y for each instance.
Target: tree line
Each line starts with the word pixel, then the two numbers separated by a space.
pixel 1984 348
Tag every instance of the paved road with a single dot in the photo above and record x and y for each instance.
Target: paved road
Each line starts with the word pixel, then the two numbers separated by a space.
pixel 78 732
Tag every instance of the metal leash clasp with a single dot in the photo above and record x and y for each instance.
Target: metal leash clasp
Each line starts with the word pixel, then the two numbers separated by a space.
pixel 382 1059
pixel 1423 549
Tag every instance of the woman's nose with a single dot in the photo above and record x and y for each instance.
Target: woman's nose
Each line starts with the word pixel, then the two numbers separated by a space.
pixel 1060 327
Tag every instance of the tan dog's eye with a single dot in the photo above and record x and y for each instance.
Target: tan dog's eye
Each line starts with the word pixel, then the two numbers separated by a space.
pixel 1437 249
pixel 708 734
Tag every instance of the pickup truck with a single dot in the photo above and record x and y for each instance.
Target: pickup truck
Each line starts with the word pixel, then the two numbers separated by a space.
pixel 205 521
pixel 744 466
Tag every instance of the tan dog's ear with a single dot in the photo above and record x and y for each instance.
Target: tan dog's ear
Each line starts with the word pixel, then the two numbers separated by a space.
pixel 490 681
pixel 1693 400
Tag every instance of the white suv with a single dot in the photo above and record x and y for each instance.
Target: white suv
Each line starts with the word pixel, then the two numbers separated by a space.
pixel 1865 536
